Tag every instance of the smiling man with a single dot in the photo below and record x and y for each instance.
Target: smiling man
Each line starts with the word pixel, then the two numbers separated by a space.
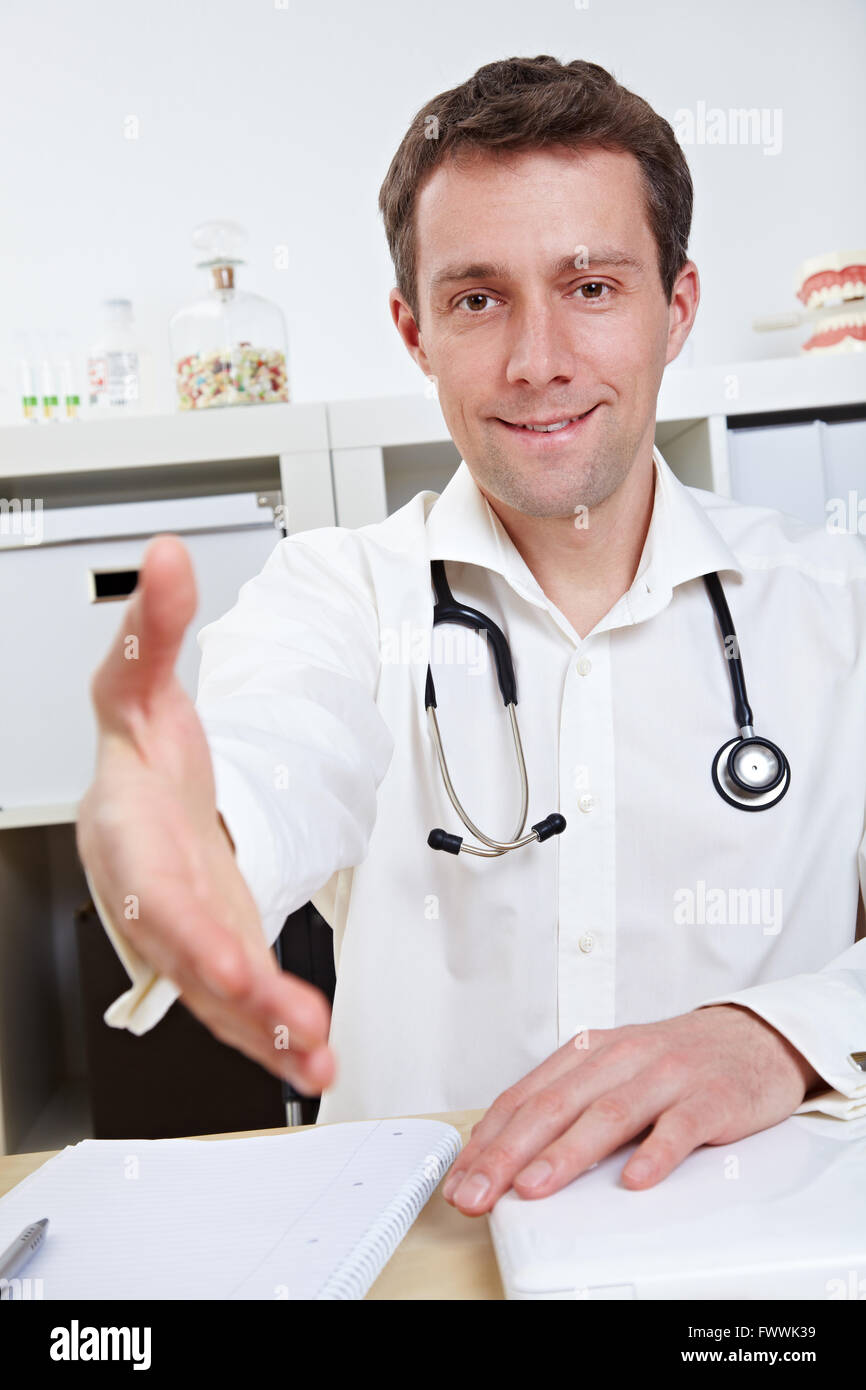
pixel 548 352
pixel 540 247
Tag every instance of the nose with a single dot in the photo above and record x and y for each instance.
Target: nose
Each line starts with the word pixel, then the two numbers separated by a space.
pixel 540 351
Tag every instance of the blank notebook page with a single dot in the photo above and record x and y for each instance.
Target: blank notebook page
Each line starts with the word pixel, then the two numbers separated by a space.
pixel 315 1214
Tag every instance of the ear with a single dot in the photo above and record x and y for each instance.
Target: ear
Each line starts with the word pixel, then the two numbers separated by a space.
pixel 409 330
pixel 683 308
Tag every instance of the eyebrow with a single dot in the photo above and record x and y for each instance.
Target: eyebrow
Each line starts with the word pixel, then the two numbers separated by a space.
pixel 489 270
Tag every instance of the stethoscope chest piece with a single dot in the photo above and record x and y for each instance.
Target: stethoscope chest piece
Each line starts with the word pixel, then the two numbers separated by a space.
pixel 751 773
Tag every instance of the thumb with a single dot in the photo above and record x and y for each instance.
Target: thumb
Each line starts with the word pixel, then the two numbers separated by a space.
pixel 142 658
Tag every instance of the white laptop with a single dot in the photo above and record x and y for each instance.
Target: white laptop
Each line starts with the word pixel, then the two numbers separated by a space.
pixel 781 1214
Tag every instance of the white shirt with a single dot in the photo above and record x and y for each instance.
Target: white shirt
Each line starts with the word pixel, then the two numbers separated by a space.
pixel 456 975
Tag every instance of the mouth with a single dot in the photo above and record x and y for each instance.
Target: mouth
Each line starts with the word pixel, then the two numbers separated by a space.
pixel 551 433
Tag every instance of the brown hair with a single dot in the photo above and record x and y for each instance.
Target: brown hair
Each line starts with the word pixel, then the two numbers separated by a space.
pixel 524 104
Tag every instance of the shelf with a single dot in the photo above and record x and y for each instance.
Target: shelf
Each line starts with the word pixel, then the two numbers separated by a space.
pixel 19 817
pixel 386 422
pixel 774 384
pixel 228 438
pixel 153 441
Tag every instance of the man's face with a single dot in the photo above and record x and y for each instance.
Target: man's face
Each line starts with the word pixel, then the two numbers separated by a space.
pixel 517 328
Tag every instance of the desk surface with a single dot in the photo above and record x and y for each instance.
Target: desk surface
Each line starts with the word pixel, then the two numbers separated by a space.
pixel 444 1255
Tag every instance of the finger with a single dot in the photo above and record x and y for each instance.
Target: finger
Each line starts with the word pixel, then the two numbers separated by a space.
pixel 613 1118
pixel 177 929
pixel 308 1072
pixel 313 1064
pixel 519 1122
pixel 182 937
pixel 183 941
pixel 560 1063
pixel 157 616
pixel 312 1072
pixel 272 1023
pixel 538 1122
pixel 284 1011
pixel 280 1014
pixel 288 1006
pixel 693 1121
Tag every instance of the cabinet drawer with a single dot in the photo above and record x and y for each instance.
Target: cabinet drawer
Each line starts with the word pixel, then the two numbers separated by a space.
pixel 62 598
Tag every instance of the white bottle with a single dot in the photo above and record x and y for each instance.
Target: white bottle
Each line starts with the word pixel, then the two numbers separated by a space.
pixel 113 371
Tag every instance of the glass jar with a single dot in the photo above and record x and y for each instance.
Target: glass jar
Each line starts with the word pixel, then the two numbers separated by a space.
pixel 229 348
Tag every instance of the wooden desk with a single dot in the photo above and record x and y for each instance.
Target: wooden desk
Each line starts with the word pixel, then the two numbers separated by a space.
pixel 444 1255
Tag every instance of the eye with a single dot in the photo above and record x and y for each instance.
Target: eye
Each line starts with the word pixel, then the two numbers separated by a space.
pixel 476 294
pixel 594 285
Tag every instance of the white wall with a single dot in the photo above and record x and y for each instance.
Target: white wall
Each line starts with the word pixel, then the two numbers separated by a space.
pixel 286 119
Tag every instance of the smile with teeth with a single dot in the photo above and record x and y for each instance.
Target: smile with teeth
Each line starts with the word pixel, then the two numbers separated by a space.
pixel 545 429
pixel 551 428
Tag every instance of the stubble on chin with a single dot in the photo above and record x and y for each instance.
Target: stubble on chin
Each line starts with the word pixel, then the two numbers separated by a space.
pixel 541 489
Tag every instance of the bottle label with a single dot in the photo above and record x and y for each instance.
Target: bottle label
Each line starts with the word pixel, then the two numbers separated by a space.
pixel 113 378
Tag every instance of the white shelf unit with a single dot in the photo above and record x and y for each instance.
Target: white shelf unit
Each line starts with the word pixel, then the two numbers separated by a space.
pixel 159 456
pixel 339 462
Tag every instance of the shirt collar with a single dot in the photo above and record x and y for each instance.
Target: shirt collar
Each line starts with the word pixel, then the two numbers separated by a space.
pixel 681 544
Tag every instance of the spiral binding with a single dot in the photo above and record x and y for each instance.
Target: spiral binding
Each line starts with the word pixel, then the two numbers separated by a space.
pixel 353 1277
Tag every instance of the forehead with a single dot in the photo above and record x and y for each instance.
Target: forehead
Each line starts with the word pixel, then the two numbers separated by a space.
pixel 529 206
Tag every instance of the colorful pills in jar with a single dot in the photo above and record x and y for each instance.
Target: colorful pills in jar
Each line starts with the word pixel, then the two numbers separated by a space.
pixel 244 376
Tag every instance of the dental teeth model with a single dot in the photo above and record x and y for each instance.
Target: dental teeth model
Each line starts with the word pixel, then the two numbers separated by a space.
pixel 823 284
pixel 845 332
pixel 835 279
pixel 831 279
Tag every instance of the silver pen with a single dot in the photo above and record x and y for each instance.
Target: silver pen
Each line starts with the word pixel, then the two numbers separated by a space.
pixel 16 1255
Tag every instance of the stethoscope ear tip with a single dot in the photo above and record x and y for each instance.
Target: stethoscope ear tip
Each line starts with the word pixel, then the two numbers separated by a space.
pixel 553 824
pixel 440 839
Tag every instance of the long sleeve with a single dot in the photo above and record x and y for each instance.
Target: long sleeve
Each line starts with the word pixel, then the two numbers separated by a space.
pixel 823 1014
pixel 286 696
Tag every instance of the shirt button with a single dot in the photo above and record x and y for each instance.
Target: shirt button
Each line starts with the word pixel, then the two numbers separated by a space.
pixel 584 666
pixel 586 803
pixel 586 942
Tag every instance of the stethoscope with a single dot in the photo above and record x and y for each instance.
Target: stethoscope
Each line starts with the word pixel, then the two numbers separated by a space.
pixel 748 772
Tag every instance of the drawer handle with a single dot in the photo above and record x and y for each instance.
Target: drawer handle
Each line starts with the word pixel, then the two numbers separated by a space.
pixel 107 586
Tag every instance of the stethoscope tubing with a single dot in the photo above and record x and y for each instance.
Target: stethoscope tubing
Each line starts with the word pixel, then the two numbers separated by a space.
pixel 725 769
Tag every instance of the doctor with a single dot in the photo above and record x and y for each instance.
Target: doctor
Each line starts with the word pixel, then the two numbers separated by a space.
pixel 678 960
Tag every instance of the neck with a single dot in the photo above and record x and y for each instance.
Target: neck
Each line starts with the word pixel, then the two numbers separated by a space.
pixel 585 570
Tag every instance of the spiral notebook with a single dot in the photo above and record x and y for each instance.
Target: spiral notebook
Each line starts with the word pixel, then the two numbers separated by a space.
pixel 310 1215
